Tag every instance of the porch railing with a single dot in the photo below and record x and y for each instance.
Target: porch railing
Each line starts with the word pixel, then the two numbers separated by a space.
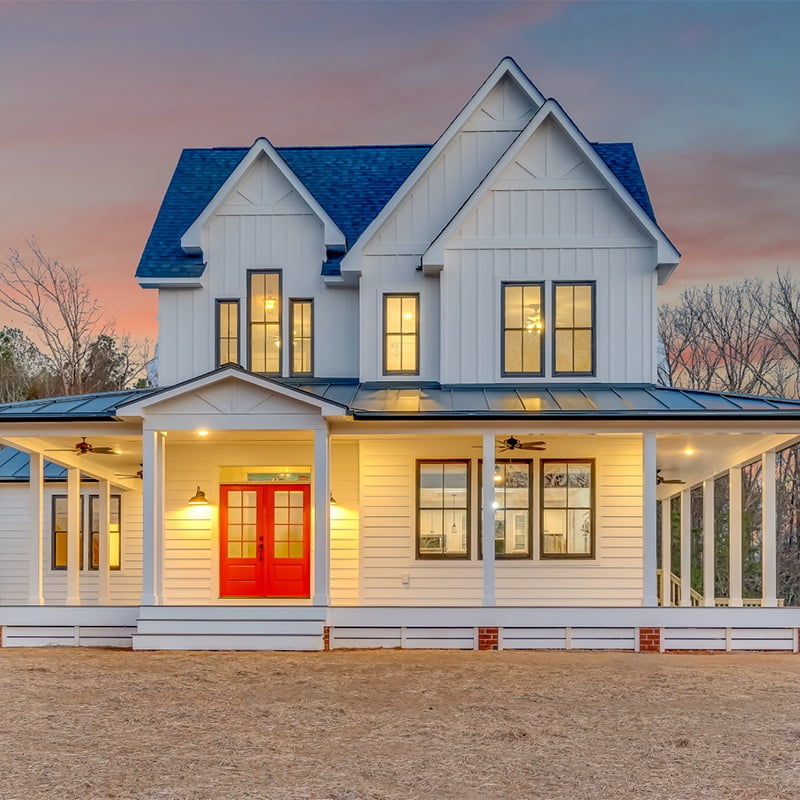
pixel 676 590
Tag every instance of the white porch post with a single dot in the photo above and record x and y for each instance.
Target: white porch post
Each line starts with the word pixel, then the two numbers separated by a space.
pixel 152 516
pixel 649 592
pixel 709 590
pixel 73 536
pixel 769 566
pixel 103 528
pixel 735 537
pixel 686 547
pixel 489 593
pixel 666 551
pixel 321 516
pixel 36 529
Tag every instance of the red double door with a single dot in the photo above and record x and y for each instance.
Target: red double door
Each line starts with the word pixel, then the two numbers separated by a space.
pixel 265 539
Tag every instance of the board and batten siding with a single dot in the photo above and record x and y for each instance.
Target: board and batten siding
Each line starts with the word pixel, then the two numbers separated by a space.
pixel 264 224
pixel 548 217
pixel 390 259
pixel 191 533
pixel 392 575
pixel 125 583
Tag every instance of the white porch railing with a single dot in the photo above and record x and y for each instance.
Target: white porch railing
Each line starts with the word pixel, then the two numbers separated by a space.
pixel 676 590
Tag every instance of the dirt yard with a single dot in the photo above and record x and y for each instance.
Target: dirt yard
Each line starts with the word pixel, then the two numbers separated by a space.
pixel 341 725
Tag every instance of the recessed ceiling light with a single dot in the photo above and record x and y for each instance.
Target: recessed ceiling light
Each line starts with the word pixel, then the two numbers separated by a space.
pixel 689 451
pixel 202 432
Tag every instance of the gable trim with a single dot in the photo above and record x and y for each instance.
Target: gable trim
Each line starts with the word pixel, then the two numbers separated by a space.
pixel 506 67
pixel 139 407
pixel 433 257
pixel 190 241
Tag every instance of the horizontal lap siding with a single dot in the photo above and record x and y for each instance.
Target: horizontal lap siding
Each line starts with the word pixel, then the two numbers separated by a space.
pixel 392 575
pixel 14 519
pixel 344 523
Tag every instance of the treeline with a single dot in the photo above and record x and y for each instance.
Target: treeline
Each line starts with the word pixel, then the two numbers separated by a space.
pixel 64 344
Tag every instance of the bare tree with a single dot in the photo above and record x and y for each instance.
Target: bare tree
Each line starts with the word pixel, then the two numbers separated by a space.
pixel 65 320
pixel 721 339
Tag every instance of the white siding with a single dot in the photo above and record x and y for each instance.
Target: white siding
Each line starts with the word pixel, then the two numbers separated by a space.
pixel 548 217
pixel 125 583
pixel 263 225
pixel 391 575
pixel 191 533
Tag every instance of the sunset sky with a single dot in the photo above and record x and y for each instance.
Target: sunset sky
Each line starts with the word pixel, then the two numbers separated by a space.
pixel 98 98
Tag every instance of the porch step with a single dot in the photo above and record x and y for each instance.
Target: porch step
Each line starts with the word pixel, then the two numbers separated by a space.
pixel 230 628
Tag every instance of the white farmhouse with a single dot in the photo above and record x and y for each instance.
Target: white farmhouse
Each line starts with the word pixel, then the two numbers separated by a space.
pixel 407 398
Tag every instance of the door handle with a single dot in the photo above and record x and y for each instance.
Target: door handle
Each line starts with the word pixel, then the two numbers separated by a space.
pixel 261 551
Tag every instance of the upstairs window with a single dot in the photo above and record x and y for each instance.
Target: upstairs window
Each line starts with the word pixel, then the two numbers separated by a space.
pixel 523 329
pixel 573 329
pixel 264 300
pixel 301 355
pixel 227 332
pixel 401 334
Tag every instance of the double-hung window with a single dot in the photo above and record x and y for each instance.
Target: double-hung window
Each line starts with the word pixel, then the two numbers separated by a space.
pixel 567 521
pixel 512 509
pixel 301 343
pixel 89 532
pixel 227 332
pixel 401 334
pixel 523 329
pixel 443 509
pixel 573 329
pixel 264 302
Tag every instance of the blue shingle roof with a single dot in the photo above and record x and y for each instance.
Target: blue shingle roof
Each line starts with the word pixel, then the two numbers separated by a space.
pixel 352 184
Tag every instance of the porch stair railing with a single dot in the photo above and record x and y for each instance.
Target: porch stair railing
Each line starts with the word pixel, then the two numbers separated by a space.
pixel 676 590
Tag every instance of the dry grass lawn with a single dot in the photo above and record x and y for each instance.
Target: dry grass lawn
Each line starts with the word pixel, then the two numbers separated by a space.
pixel 115 724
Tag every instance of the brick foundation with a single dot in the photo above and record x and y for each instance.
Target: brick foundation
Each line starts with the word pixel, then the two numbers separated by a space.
pixel 649 640
pixel 326 638
pixel 488 638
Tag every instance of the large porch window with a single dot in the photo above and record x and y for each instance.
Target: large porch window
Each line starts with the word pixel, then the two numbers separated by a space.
pixel 89 539
pixel 443 509
pixel 512 510
pixel 567 529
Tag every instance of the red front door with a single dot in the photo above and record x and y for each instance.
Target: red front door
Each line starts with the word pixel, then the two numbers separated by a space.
pixel 265 539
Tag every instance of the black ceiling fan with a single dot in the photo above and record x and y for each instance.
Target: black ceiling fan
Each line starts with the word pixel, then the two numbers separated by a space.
pixel 661 479
pixel 83 448
pixel 138 474
pixel 512 443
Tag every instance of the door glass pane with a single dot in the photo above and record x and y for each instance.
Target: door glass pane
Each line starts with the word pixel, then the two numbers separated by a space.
pixel 281 499
pixel 281 549
pixel 295 549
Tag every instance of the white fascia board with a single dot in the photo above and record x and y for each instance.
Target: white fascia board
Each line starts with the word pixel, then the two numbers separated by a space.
pixel 433 257
pixel 138 407
pixel 173 283
pixel 352 260
pixel 190 241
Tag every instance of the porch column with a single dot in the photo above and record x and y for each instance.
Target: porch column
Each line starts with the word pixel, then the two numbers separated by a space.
pixel 73 536
pixel 489 598
pixel 686 547
pixel 769 560
pixel 735 537
pixel 649 593
pixel 709 590
pixel 152 516
pixel 103 533
pixel 321 516
pixel 36 530
pixel 666 551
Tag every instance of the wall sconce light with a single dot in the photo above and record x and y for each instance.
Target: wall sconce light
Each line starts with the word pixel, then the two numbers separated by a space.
pixel 199 499
pixel 333 500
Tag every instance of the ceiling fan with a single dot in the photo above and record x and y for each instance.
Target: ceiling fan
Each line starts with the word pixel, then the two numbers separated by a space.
pixel 83 447
pixel 138 474
pixel 512 443
pixel 661 479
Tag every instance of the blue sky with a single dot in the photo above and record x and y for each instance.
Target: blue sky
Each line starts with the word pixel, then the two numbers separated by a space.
pixel 99 98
